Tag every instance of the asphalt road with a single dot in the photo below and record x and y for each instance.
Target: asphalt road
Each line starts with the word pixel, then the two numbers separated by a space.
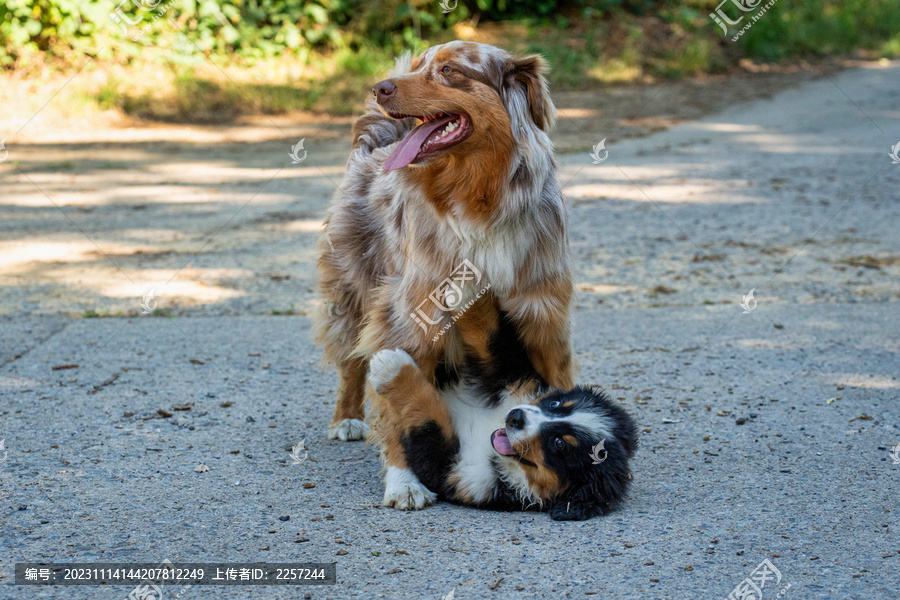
pixel 765 435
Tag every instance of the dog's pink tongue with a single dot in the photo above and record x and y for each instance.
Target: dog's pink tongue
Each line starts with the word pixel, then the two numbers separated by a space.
pixel 408 148
pixel 501 443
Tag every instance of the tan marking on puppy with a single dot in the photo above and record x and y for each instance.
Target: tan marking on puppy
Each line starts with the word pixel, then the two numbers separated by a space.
pixel 406 402
pixel 571 440
pixel 543 481
pixel 414 401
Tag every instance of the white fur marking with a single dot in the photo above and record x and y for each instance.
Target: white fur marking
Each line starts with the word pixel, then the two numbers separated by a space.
pixel 588 420
pixel 473 424
pixel 385 365
pixel 348 430
pixel 403 490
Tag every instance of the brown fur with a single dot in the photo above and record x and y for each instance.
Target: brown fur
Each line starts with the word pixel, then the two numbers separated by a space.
pixel 543 480
pixel 407 401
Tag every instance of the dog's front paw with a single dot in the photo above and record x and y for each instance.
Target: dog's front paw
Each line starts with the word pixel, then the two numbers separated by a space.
pixel 385 365
pixel 348 430
pixel 403 490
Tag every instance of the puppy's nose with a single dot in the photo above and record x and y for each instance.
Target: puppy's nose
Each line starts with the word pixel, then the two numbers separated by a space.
pixel 384 90
pixel 515 419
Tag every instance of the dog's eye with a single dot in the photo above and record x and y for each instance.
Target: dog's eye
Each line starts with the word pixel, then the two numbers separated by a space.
pixel 560 444
pixel 554 404
pixel 447 70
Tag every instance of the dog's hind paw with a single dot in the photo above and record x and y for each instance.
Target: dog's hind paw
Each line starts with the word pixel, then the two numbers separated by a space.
pixel 385 365
pixel 404 491
pixel 348 430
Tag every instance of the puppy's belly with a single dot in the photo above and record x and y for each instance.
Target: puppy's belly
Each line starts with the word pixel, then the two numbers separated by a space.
pixel 474 475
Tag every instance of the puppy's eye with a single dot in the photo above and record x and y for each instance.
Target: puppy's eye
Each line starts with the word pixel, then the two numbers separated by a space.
pixel 560 444
pixel 554 404
pixel 447 70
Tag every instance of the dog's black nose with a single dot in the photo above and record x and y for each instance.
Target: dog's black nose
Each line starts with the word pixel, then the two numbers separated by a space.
pixel 515 419
pixel 383 90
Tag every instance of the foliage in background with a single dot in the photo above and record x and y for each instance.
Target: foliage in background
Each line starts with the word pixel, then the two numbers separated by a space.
pixel 291 54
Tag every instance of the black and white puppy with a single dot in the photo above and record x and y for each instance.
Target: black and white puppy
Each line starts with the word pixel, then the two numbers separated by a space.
pixel 494 436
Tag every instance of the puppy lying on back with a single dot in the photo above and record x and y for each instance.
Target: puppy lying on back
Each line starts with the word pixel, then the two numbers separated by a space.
pixel 498 436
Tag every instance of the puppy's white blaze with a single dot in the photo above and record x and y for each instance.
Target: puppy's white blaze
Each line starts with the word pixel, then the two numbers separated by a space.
pixel 473 424
pixel 599 425
pixel 595 423
pixel 403 490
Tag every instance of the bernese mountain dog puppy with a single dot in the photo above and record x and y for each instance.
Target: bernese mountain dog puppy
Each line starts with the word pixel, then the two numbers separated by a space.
pixel 493 434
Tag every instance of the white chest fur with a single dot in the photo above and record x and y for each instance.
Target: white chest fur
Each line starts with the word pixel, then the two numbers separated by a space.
pixel 473 423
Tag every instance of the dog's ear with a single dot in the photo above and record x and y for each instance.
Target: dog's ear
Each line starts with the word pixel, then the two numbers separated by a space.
pixel 578 505
pixel 526 74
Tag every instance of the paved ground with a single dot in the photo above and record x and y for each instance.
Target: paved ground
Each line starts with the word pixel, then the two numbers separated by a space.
pixel 765 435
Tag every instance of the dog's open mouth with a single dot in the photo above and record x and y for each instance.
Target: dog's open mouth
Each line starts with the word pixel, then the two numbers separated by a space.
pixel 438 132
pixel 501 444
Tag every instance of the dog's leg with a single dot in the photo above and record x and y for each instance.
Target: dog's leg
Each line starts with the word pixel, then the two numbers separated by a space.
pixel 541 315
pixel 405 401
pixel 348 423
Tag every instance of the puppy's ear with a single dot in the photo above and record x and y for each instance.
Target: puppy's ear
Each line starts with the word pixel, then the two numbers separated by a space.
pixel 525 77
pixel 578 505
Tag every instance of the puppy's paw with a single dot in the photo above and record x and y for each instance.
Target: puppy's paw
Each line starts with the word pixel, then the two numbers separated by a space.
pixel 385 365
pixel 348 430
pixel 403 490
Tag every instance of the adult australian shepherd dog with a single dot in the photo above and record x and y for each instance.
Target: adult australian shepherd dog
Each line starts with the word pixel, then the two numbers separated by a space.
pixel 451 180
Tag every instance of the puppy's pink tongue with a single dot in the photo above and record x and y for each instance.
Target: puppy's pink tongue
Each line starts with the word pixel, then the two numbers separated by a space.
pixel 501 443
pixel 408 148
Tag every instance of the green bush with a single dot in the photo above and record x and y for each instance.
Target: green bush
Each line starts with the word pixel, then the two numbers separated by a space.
pixel 63 29
pixel 823 27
